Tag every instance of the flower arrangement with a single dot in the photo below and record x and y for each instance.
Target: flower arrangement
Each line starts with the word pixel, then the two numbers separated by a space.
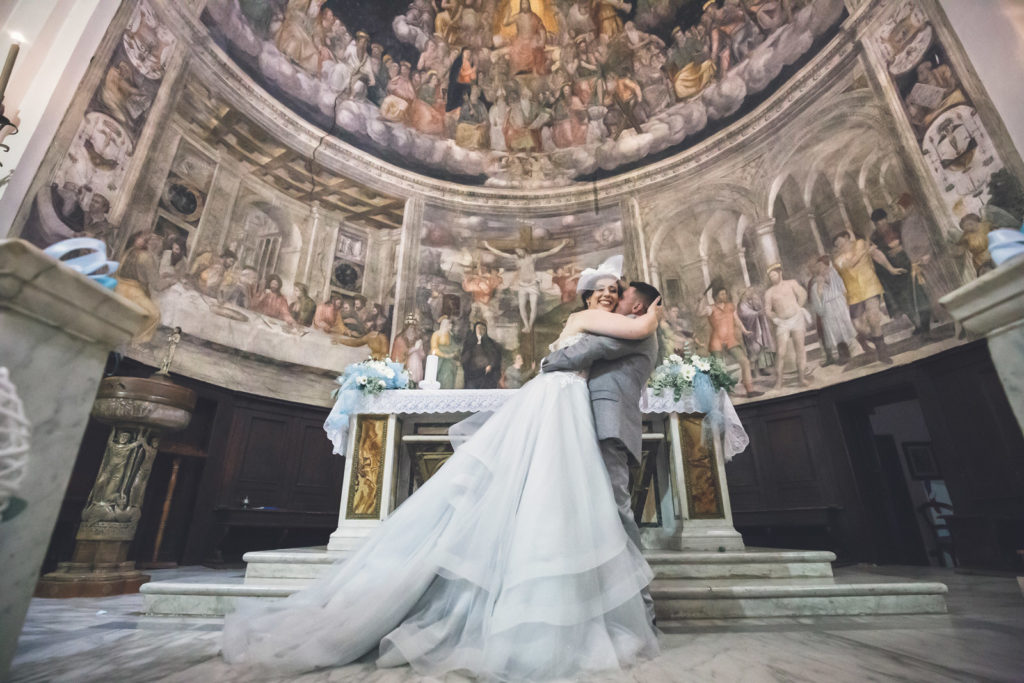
pixel 679 374
pixel 372 377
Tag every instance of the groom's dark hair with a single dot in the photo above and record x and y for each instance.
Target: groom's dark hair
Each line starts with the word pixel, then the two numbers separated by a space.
pixel 646 292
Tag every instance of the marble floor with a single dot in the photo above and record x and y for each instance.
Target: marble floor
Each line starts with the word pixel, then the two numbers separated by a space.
pixel 109 640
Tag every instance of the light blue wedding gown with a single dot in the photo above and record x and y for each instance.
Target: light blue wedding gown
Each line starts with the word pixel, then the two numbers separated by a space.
pixel 510 563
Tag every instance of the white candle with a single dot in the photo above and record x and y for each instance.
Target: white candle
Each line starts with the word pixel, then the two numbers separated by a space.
pixel 5 75
pixel 430 373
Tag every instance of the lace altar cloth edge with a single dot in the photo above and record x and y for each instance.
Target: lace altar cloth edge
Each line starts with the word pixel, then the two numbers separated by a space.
pixel 422 402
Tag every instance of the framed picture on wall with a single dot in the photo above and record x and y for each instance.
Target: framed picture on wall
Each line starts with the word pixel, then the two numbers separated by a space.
pixel 920 460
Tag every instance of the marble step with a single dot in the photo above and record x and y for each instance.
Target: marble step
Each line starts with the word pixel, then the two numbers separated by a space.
pixel 675 604
pixel 744 564
pixel 308 563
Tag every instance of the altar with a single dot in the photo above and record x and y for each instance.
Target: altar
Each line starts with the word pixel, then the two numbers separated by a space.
pixel 398 439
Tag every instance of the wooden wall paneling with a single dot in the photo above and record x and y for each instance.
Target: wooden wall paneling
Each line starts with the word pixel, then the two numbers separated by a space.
pixel 316 483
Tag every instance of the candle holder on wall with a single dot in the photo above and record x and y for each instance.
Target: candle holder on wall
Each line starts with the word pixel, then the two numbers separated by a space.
pixel 8 124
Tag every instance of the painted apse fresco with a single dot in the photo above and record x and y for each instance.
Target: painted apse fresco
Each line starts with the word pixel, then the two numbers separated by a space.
pixel 806 244
pixel 520 92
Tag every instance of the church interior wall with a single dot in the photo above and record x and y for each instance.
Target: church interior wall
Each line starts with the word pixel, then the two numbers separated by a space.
pixel 172 134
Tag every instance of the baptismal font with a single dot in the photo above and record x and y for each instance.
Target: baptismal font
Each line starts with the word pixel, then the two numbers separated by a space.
pixel 139 410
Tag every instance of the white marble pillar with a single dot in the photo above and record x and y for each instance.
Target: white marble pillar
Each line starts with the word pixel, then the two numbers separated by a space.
pixel 741 256
pixel 993 305
pixel 56 329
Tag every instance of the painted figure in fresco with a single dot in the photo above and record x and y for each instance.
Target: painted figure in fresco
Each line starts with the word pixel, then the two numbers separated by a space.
pixel 304 307
pixel 124 99
pixel 294 37
pixel 569 117
pixel 937 89
pixel 566 278
pixel 904 291
pixel 427 112
pixel 516 375
pixel 442 346
pixel 853 261
pixel 472 129
pixel 481 359
pixel 974 243
pixel 760 341
pixel 606 16
pixel 733 33
pixel 526 118
pixel 240 290
pixel 136 280
pixel 94 220
pixel 173 262
pixel 827 296
pixel 481 284
pixel 723 320
pixel 526 53
pixel 689 62
pixel 408 349
pixel 326 316
pixel 784 305
pixel 271 301
pixel 209 279
pixel 527 281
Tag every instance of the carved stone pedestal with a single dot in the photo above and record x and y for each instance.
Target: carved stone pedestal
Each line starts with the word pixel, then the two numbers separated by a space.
pixel 139 410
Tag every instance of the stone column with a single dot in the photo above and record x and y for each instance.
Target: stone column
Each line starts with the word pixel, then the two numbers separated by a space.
pixel 139 409
pixel 56 329
pixel 212 231
pixel 993 305
pixel 766 240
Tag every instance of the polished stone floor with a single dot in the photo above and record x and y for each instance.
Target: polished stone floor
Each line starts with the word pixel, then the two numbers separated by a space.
pixel 981 639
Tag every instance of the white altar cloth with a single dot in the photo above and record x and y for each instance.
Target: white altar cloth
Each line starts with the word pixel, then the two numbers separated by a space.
pixel 421 401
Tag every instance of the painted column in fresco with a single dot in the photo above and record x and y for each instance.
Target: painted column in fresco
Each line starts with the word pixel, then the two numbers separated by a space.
pixel 408 248
pixel 211 233
pixel 637 263
pixel 766 241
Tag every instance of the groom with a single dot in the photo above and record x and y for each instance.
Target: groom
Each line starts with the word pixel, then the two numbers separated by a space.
pixel 618 373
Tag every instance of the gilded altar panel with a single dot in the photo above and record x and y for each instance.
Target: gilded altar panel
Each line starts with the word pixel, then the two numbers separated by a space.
pixel 364 495
pixel 703 487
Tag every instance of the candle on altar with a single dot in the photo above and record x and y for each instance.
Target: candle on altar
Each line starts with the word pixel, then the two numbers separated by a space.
pixel 430 373
pixel 5 75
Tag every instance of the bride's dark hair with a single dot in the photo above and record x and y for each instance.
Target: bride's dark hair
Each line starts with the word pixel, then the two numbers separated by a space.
pixel 587 293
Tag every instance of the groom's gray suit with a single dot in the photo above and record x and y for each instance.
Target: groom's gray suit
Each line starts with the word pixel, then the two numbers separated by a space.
pixel 619 370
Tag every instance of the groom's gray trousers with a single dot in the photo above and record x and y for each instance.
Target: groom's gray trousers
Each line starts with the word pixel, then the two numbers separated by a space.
pixel 616 461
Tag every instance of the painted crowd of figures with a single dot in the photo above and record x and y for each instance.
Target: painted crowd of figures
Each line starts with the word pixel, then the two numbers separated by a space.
pixel 845 303
pixel 152 263
pixel 520 75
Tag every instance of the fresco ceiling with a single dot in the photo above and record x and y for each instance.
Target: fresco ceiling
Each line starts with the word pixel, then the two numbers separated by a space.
pixel 521 93
pixel 221 126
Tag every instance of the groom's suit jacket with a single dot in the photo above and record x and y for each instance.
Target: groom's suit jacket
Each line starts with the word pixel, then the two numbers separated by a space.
pixel 619 370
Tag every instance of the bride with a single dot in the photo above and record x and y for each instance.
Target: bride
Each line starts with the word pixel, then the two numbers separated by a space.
pixel 510 563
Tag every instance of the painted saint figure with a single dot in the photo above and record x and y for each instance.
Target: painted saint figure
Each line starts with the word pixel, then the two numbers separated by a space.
pixel 784 304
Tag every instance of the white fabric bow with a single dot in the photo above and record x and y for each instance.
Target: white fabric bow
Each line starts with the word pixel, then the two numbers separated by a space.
pixel 612 267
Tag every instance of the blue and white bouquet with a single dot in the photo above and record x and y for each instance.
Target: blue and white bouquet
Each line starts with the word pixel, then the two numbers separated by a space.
pixel 366 378
pixel 700 374
pixel 372 377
